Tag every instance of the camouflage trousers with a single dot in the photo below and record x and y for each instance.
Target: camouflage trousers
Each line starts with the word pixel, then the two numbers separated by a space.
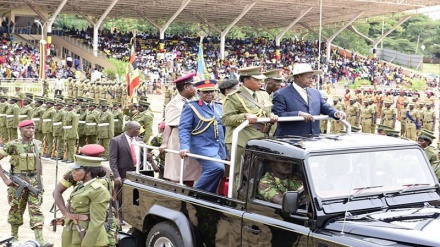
pixel 92 139
pixel 18 206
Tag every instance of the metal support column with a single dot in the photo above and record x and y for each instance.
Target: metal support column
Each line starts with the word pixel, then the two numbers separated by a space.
pixel 280 35
pixel 329 40
pixel 164 28
pixel 50 23
pixel 224 32
pixel 98 24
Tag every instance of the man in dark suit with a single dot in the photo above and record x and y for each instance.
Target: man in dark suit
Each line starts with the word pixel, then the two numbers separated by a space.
pixel 123 155
pixel 298 99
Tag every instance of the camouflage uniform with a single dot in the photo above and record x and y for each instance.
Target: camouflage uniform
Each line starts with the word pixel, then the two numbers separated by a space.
pixel 160 159
pixel 23 161
pixel 45 88
pixel 269 186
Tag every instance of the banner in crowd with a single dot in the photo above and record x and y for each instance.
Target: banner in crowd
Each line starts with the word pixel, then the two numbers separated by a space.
pixel 132 73
pixel 202 72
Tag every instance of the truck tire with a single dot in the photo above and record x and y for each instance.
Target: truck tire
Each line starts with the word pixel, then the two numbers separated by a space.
pixel 164 234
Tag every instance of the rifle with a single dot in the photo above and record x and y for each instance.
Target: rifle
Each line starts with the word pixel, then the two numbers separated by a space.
pixel 21 185
pixel 54 226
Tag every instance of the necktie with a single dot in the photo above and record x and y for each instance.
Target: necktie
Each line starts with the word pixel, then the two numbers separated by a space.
pixel 133 152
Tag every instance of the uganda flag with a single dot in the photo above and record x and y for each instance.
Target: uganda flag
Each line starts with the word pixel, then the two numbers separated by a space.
pixel 132 73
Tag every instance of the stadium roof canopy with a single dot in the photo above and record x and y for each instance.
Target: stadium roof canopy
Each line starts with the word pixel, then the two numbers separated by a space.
pixel 265 13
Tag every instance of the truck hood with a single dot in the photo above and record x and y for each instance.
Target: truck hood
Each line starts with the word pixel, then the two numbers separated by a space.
pixel 411 225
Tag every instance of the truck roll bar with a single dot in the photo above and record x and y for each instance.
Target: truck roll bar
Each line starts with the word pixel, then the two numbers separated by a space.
pixel 266 120
pixel 231 163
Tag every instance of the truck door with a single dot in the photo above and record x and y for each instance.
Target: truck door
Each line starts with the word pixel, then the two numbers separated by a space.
pixel 263 222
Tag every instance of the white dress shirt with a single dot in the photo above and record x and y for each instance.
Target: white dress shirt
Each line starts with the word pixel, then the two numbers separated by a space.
pixel 301 91
pixel 136 147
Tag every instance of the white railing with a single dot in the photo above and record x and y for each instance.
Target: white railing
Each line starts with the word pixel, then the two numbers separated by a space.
pixel 148 167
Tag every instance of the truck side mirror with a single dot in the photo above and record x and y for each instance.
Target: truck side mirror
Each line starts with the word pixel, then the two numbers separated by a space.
pixel 290 202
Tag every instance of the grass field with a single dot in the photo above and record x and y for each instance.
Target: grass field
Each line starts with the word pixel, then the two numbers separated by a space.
pixel 431 68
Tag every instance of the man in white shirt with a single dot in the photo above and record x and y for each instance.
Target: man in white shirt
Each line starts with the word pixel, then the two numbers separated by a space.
pixel 59 86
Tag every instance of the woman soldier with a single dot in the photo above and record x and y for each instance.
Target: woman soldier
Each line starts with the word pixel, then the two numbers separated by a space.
pixel 86 217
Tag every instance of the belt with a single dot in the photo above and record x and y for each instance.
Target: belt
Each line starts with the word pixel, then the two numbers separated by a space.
pixel 261 127
pixel 2 115
pixel 22 116
pixel 103 124
pixel 35 119
pixel 82 217
pixel 90 123
pixel 116 120
pixel 28 174
pixel 9 116
pixel 47 120
pixel 67 127
pixel 57 123
pixel 366 118
pixel 82 122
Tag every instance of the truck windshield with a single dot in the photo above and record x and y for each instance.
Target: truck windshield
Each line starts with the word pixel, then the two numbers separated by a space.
pixel 341 175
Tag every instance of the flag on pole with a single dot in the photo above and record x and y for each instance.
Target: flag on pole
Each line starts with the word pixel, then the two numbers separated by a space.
pixel 132 73
pixel 202 72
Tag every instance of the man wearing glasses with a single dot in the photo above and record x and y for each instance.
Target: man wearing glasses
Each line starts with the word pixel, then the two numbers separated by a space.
pixel 201 132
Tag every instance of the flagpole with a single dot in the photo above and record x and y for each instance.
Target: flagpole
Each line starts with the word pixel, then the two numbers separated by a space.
pixel 131 97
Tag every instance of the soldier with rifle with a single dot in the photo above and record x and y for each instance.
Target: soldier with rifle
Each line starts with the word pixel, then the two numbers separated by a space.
pixel 25 164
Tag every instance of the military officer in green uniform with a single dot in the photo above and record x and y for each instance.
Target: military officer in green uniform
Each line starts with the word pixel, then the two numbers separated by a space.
pixel 57 130
pixel 87 205
pixel 425 140
pixel 37 117
pixel 106 127
pixel 375 112
pixel 92 120
pixel 428 117
pixel 31 97
pixel 389 113
pixel 70 131
pixel 412 122
pixel 26 110
pixel 403 118
pixel 3 107
pixel 47 127
pixel 367 116
pixel 353 113
pixel 12 114
pixel 45 88
pixel 145 118
pixel 247 103
pixel 118 117
pixel 82 125
pixel 25 162
pixel 273 81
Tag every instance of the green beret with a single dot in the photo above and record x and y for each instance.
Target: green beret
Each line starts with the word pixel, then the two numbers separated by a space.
pixel 228 83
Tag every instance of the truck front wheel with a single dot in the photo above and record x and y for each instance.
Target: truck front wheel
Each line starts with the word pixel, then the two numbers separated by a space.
pixel 164 234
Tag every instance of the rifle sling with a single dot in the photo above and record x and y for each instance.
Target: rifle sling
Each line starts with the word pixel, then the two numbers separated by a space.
pixel 37 157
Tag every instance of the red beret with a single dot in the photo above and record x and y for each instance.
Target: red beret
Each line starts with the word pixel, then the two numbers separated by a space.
pixel 185 79
pixel 94 150
pixel 25 123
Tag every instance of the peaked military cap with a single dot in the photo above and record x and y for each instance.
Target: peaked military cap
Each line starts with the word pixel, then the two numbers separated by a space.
pixel 426 134
pixel 206 85
pixel 255 72
pixel 86 161
pixel 185 79
pixel 276 74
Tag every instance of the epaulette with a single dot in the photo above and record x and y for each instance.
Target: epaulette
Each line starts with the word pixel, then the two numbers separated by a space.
pixel 96 184
pixel 217 102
